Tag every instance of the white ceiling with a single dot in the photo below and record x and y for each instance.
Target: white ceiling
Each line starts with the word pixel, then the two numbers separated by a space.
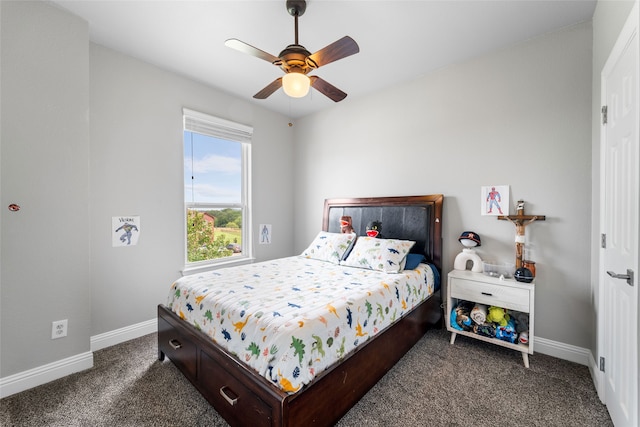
pixel 399 40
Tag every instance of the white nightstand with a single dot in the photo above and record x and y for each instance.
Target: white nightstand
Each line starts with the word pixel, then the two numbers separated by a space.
pixel 483 289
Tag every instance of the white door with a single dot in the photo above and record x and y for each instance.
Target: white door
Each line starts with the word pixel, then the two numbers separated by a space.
pixel 619 257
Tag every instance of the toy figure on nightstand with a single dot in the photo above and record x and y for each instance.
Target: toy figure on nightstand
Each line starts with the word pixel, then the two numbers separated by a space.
pixel 469 240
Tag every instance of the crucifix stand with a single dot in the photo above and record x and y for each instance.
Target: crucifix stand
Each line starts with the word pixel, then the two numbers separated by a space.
pixel 521 221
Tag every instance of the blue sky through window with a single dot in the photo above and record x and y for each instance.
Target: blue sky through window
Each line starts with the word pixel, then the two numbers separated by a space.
pixel 216 166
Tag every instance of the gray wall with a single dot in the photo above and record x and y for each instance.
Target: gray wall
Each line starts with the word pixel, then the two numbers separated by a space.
pixel 136 169
pixel 45 169
pixel 87 134
pixel 524 116
pixel 518 117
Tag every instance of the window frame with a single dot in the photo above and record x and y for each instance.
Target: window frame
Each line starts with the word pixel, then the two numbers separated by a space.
pixel 208 125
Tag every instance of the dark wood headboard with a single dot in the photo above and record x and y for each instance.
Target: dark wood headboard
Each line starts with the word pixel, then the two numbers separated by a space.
pixel 417 218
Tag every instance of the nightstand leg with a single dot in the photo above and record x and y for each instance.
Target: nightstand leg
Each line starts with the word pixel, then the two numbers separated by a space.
pixel 525 358
pixel 453 337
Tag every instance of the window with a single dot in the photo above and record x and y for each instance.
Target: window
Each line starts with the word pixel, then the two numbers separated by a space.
pixel 216 190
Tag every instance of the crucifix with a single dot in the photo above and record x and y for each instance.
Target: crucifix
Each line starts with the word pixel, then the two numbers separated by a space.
pixel 521 221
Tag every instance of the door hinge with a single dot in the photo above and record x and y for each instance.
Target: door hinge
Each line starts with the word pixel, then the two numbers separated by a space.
pixel 603 241
pixel 604 114
pixel 602 364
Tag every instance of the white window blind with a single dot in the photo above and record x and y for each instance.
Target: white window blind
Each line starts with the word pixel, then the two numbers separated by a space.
pixel 205 124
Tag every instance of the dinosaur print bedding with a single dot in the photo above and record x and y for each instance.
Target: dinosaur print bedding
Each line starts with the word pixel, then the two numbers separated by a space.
pixel 291 318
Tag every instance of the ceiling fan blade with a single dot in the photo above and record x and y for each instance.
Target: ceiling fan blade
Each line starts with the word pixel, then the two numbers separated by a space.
pixel 342 48
pixel 250 50
pixel 327 89
pixel 269 89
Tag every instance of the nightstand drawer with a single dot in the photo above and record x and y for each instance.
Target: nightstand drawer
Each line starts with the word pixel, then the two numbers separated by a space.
pixel 484 293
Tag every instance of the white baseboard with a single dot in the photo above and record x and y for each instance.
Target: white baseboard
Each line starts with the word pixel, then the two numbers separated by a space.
pixel 43 374
pixel 52 371
pixel 98 342
pixel 572 353
pixel 598 377
pixel 563 351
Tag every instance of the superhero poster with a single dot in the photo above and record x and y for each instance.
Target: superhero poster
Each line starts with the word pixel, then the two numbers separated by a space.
pixel 265 234
pixel 125 230
pixel 494 200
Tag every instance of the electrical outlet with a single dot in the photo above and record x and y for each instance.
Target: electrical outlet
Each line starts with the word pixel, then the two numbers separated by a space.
pixel 59 329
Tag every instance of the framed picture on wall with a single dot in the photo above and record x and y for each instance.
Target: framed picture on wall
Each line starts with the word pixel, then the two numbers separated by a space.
pixel 495 200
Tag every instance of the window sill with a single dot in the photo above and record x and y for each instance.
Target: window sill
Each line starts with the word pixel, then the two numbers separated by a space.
pixel 188 270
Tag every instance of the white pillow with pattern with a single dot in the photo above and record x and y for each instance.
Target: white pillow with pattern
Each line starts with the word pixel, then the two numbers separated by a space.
pixel 330 247
pixel 379 254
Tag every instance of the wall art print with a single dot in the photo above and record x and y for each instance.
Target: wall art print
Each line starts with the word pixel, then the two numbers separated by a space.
pixel 125 230
pixel 495 200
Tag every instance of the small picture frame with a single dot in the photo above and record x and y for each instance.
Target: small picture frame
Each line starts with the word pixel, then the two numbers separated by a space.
pixel 494 200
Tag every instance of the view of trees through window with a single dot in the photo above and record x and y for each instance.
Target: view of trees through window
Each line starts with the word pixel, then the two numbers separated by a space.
pixel 213 196
pixel 213 234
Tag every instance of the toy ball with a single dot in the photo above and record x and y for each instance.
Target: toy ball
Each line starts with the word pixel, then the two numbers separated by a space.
pixel 469 239
pixel 524 275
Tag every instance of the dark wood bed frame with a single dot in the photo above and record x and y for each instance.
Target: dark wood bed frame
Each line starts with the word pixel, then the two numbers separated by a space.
pixel 243 398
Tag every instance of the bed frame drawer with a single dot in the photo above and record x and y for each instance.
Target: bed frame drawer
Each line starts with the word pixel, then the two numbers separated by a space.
pixel 176 347
pixel 232 399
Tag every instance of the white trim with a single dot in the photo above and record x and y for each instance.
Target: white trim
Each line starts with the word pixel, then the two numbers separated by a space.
pixel 52 371
pixel 218 121
pixel 206 124
pixel 562 351
pixel 598 377
pixel 43 374
pixel 630 27
pixel 574 354
pixel 118 336
pixel 234 261
pixel 247 221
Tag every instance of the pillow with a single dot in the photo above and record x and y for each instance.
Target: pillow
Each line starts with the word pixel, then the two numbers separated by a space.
pixel 378 254
pixel 412 261
pixel 330 247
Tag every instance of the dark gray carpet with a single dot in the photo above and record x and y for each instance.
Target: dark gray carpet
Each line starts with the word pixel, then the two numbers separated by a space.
pixel 435 384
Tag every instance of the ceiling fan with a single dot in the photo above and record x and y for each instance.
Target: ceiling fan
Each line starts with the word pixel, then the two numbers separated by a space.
pixel 296 61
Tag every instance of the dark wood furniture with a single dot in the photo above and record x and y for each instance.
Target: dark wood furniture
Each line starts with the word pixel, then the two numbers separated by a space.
pixel 242 397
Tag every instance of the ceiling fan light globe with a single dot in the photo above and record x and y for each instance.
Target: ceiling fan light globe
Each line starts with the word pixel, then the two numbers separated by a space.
pixel 296 85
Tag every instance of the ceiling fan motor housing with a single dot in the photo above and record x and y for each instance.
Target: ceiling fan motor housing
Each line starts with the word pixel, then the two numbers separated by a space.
pixel 294 59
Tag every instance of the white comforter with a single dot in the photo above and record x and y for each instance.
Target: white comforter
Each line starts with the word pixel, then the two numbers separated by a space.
pixel 291 318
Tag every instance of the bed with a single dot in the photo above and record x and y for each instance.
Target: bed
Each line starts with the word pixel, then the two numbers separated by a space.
pixel 249 395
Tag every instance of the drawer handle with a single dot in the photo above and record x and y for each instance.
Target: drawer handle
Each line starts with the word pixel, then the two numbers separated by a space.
pixel 223 393
pixel 175 344
pixel 487 294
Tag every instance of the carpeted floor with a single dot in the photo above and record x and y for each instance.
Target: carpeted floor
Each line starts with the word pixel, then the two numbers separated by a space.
pixel 435 384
